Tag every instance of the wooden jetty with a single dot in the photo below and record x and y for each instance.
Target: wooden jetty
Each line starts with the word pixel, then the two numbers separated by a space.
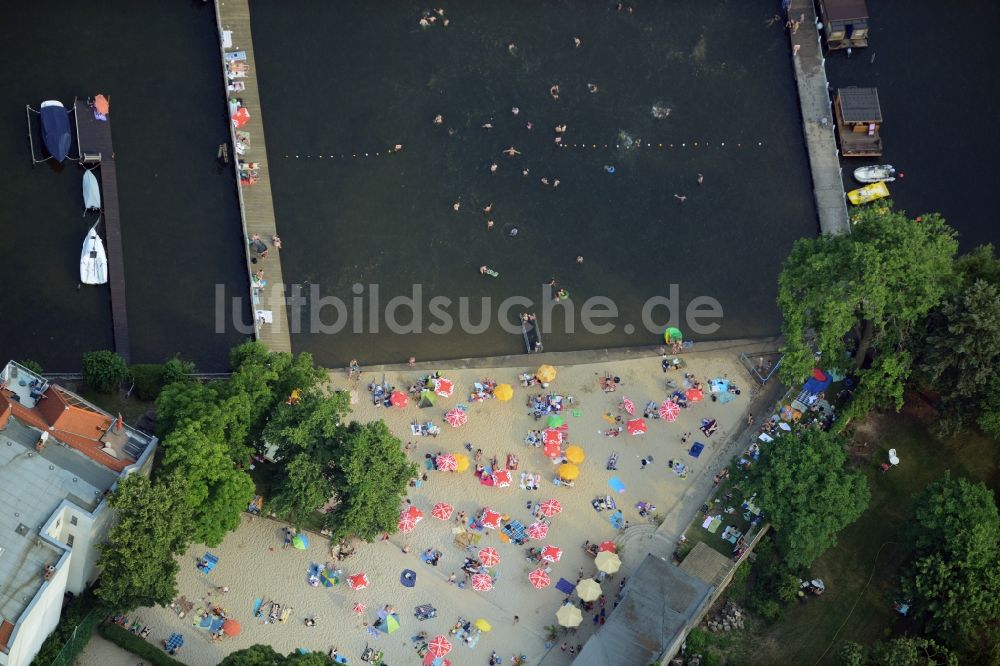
pixel 95 149
pixel 256 204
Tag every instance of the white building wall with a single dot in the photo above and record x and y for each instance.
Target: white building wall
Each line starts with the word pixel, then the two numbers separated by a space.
pixel 39 619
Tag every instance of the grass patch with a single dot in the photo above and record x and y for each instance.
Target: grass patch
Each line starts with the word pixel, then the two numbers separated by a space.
pixel 852 607
pixel 137 646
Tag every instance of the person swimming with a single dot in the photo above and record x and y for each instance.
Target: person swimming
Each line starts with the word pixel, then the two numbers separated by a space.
pixel 487 208
pixel 438 119
pixel 510 152
pixel 592 88
pixel 554 91
pixel 515 110
pixel 494 167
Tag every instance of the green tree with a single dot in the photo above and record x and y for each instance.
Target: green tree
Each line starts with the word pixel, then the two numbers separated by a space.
pixel 104 371
pixel 807 493
pixel 264 655
pixel 178 370
pixel 859 298
pixel 34 366
pixel 309 426
pixel 370 476
pixel 955 577
pixel 152 526
pixel 303 490
pixel 902 651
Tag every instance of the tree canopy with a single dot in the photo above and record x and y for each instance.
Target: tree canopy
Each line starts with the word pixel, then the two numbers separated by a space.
pixel 264 655
pixel 104 371
pixel 956 572
pixel 807 493
pixel 303 490
pixel 902 651
pixel 859 298
pixel 153 522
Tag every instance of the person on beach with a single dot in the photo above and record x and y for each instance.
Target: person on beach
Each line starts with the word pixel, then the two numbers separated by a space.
pixel 277 241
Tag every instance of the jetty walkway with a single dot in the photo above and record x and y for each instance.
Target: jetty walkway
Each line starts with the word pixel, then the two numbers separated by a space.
pixel 817 120
pixel 256 204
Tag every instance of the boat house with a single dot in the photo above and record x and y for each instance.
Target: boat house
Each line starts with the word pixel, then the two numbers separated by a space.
pixel 859 119
pixel 845 23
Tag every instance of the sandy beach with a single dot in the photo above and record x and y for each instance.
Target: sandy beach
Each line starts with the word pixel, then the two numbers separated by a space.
pixel 253 564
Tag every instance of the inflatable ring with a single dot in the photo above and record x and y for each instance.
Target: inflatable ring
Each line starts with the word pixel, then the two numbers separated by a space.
pixel 609 169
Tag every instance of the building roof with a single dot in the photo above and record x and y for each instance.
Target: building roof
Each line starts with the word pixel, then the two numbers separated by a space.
pixel 659 601
pixel 859 105
pixel 845 10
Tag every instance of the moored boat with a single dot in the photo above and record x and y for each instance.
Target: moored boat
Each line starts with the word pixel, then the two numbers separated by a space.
pixel 93 260
pixel 875 173
pixel 55 129
pixel 868 193
pixel 91 192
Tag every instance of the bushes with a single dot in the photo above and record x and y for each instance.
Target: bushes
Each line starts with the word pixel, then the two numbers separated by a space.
pixel 76 625
pixel 104 371
pixel 772 584
pixel 137 646
pixel 34 366
pixel 148 378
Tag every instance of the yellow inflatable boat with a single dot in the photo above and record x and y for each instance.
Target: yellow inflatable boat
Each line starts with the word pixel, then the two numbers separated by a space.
pixel 868 193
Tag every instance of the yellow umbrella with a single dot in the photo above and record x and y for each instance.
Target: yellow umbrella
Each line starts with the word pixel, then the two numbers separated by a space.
pixel 568 471
pixel 483 625
pixel 569 616
pixel 546 373
pixel 503 392
pixel 462 462
pixel 574 454
pixel 607 562
pixel 588 589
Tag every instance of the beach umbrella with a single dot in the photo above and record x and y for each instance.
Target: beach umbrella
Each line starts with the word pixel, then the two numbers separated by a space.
pixel 607 546
pixel 673 335
pixel 551 436
pixel 489 556
pixel 427 398
pixel 358 581
pixel 456 417
pixel 588 589
pixel 329 577
pixel 552 450
pixel 575 454
pixel 539 578
pixel 491 518
pixel 554 421
pixel 537 530
pixel 550 508
pixel 607 562
pixel 628 405
pixel 241 117
pixel 300 541
pixel 545 373
pixel 636 427
pixel 442 510
pixel 359 609
pixel 444 387
pixel 231 628
pixel 695 394
pixel 568 471
pixel 482 582
pixel 483 625
pixel 409 519
pixel 439 646
pixel 461 462
pixel 569 616
pixel 503 392
pixel 390 622
pixel 551 554
pixel 399 399
pixel 669 410
pixel 446 463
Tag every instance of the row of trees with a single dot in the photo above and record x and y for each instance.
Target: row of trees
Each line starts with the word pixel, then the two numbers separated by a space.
pixel 210 431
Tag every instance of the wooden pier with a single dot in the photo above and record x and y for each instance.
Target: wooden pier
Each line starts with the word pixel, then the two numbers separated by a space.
pixel 256 204
pixel 95 149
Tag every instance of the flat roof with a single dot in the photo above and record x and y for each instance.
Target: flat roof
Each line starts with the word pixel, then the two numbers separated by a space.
pixel 32 486
pixel 859 105
pixel 845 10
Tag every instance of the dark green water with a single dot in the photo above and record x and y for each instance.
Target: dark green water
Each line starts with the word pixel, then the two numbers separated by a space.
pixel 180 219
pixel 359 77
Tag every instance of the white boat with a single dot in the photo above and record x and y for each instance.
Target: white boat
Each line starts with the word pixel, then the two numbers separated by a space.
pixel 93 260
pixel 875 173
pixel 91 192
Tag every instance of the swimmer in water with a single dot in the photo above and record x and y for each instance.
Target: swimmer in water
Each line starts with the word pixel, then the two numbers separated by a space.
pixel 579 259
pixel 592 88
pixel 455 206
pixel 558 139
pixel 577 41
pixel 487 126
pixel 554 91
pixel 513 232
pixel 680 198
pixel 515 110
pixel 489 224
pixel 525 172
pixel 512 48
pixel 438 119
pixel 424 23
pixel 545 181
pixel 494 167
pixel 701 179
pixel 483 269
pixel 487 208
pixel 510 152
pixel 560 129
pixel 530 125
pixel 555 183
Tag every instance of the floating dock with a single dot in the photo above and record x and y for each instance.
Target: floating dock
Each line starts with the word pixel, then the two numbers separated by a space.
pixel 818 120
pixel 256 204
pixel 95 149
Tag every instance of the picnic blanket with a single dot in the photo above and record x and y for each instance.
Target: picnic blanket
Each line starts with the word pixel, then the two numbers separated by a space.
pixel 515 531
pixel 713 526
pixel 696 449
pixel 565 586
pixel 617 520
pixel 211 561
pixel 616 484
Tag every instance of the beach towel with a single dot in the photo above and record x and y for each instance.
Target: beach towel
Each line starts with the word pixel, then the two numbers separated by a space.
pixel 565 586
pixel 205 622
pixel 216 625
pixel 726 397
pixel 616 484
pixel 708 521
pixel 714 525
pixel 696 449
pixel 257 603
pixel 210 562
pixel 617 520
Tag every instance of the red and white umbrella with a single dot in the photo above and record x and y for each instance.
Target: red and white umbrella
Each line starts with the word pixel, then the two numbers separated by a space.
pixel 489 556
pixel 551 554
pixel 551 436
pixel 669 410
pixel 442 510
pixel 456 417
pixel 610 546
pixel 444 387
pixel 358 581
pixel 409 518
pixel 628 405
pixel 537 530
pixel 552 450
pixel 399 399
pixel 491 518
pixel 550 507
pixel 446 463
pixel 539 578
pixel 439 646
pixel 501 478
pixel 482 582
pixel 359 609
pixel 695 394
pixel 636 427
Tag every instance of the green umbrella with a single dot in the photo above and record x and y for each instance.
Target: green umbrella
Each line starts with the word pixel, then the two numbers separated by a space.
pixel 427 398
pixel 300 541
pixel 555 420
pixel 673 335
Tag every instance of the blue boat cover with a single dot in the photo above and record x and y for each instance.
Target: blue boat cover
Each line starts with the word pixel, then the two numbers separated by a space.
pixel 55 131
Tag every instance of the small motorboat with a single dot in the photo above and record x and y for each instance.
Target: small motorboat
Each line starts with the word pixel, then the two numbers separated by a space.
pixel 93 260
pixel 91 192
pixel 875 173
pixel 55 129
pixel 868 193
